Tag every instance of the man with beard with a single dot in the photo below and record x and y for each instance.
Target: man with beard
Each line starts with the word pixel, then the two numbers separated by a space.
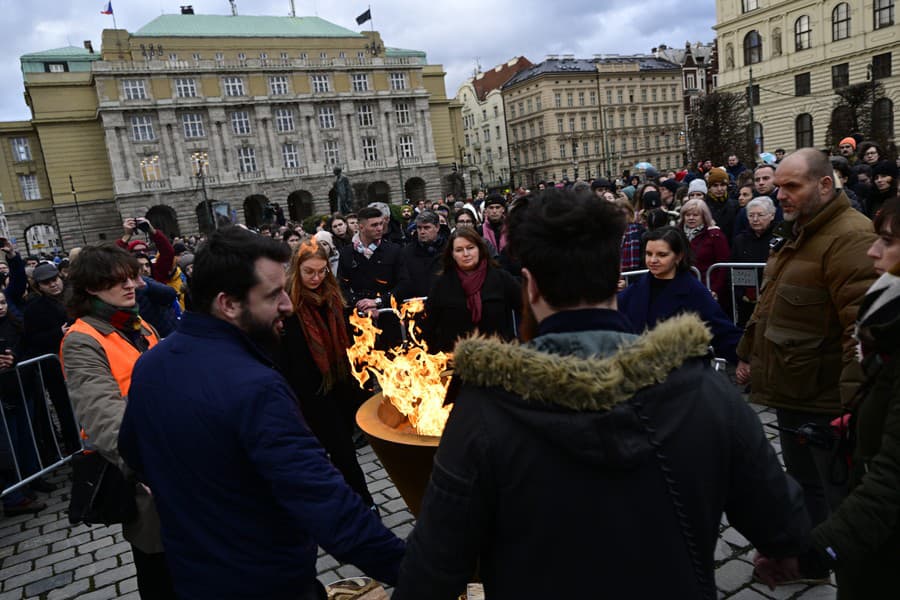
pixel 422 258
pixel 244 490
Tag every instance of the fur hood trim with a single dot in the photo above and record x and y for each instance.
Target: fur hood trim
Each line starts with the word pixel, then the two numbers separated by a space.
pixel 593 383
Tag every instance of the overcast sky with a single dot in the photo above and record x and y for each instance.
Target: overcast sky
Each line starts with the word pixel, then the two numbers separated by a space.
pixel 454 34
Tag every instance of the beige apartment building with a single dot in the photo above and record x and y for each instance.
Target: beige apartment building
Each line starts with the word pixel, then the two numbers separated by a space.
pixel 483 155
pixel 570 118
pixel 799 52
pixel 197 120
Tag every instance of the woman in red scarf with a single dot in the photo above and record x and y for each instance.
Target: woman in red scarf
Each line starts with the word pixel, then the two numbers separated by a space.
pixel 472 293
pixel 314 360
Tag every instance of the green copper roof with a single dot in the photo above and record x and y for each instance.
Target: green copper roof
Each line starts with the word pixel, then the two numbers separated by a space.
pixel 242 26
pixel 67 53
pixel 399 52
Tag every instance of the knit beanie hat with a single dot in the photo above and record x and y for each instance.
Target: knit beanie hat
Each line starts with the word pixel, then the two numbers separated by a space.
pixel 650 199
pixel 670 184
pixel 885 167
pixel 717 175
pixel 697 185
pixel 848 140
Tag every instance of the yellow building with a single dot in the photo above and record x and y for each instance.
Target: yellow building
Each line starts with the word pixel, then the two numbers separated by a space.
pixel 800 52
pixel 571 118
pixel 199 115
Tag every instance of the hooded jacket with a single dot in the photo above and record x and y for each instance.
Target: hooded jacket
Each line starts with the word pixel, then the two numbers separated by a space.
pixel 569 454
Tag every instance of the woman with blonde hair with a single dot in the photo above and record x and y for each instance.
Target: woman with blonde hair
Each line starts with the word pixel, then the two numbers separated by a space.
pixel 708 243
pixel 314 360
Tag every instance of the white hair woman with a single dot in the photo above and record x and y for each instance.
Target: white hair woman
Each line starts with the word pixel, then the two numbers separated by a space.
pixel 708 243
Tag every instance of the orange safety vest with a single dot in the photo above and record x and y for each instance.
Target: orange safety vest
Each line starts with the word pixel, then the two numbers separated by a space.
pixel 120 353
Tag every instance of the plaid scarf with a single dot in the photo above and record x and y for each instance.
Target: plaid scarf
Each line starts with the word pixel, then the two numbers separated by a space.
pixel 366 251
pixel 125 320
pixel 322 320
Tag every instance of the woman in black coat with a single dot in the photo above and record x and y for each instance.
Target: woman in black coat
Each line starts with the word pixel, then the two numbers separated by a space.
pixel 314 361
pixel 752 246
pixel 472 293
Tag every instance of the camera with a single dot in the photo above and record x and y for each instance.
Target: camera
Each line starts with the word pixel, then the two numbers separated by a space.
pixel 142 224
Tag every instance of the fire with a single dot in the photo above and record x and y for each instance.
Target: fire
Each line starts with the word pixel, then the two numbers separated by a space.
pixel 408 375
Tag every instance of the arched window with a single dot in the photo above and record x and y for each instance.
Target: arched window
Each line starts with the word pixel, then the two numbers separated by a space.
pixel 802 33
pixel 883 13
pixel 803 129
pixel 840 22
pixel 883 118
pixel 752 48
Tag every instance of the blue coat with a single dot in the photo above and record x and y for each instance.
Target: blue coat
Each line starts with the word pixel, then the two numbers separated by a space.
pixel 244 490
pixel 683 294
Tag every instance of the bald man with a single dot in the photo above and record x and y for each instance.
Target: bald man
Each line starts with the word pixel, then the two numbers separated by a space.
pixel 797 351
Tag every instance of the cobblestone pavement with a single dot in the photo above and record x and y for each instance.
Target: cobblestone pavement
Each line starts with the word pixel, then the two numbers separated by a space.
pixel 41 556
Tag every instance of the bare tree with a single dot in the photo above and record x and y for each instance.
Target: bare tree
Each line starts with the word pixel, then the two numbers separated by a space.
pixel 853 113
pixel 719 125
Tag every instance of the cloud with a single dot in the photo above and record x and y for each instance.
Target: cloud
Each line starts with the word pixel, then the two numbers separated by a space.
pixel 453 34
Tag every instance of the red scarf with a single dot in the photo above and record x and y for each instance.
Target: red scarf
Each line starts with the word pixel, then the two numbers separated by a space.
pixel 472 282
pixel 327 337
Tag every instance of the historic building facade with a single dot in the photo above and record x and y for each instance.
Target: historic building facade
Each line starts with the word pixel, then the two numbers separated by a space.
pixel 796 54
pixel 195 120
pixel 483 155
pixel 571 118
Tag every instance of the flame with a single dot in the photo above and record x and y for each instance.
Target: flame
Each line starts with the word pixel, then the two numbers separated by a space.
pixel 408 375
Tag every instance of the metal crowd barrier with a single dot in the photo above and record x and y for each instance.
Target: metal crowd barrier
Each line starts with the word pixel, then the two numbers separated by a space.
pixel 44 412
pixel 745 275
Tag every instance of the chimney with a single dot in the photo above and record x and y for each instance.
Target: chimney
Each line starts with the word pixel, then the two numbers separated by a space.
pixel 187 10
pixel 89 46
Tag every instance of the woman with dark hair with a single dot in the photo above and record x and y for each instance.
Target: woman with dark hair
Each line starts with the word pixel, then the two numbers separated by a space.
pixel 314 360
pixel 340 230
pixel 670 288
pixel 464 218
pixel 98 354
pixel 860 540
pixel 870 153
pixel 472 293
pixel 884 176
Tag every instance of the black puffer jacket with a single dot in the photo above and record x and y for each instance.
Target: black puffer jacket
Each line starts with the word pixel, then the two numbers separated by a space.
pixel 375 277
pixel 553 463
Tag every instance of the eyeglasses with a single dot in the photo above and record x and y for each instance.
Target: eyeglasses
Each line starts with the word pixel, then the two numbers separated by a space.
pixel 755 216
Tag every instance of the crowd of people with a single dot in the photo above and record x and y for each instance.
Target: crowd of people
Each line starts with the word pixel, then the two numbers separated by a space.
pixel 213 372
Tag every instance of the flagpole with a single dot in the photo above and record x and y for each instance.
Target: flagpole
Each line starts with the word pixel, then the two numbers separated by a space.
pixel 114 21
pixel 371 20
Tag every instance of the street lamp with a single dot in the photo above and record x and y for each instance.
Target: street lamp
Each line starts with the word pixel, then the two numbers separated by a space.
pixel 200 167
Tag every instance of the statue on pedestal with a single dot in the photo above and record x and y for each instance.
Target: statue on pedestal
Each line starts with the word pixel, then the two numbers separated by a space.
pixel 343 192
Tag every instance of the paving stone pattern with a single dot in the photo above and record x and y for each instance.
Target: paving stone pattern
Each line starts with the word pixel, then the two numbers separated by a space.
pixel 42 557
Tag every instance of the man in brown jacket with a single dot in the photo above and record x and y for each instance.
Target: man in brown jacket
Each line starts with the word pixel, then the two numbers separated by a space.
pixel 798 343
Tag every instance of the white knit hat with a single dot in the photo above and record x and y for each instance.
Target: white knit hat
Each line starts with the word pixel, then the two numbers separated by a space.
pixel 697 185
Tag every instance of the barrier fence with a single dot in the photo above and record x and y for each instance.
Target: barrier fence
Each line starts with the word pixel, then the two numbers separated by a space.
pixel 742 275
pixel 40 432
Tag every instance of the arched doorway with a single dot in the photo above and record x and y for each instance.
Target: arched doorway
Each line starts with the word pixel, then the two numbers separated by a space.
pixel 378 191
pixel 415 189
pixel 300 205
pixel 164 218
pixel 41 238
pixel 212 215
pixel 255 210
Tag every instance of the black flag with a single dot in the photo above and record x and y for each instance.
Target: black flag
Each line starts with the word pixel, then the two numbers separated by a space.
pixel 366 16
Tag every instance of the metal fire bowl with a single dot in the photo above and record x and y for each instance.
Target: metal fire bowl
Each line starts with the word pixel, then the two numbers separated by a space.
pixel 406 455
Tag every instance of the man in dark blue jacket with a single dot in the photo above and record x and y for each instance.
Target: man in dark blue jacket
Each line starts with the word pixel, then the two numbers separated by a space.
pixel 244 490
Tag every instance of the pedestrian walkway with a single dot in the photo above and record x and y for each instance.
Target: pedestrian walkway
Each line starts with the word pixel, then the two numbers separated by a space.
pixel 42 557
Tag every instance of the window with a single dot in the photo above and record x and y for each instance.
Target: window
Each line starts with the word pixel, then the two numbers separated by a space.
pixel 570 99
pixel 332 152
pixel 56 67
pixel 398 81
pixel 562 150
pixel 263 58
pixel 247 160
pixel 240 123
pixel 633 119
pixel 370 148
pixel 537 103
pixel 402 111
pixel 803 128
pixel 690 81
pixel 840 75
pixel 653 95
pixel 531 132
pixel 656 117
pixel 571 123
pixel 840 22
pixel 21 149
pixel 559 125
pixel 752 48
pixel 580 98
pixel 234 86
pixel 748 5
pixel 186 88
pixel 881 65
pixel 486 133
pixel 512 110
pixel 360 82
pixel 364 115
pixel 320 83
pixel 530 105
pixel 557 100
pixel 220 57
pixel 619 96
pixel 142 129
pixel 583 122
pixel 884 13
pixel 173 57
pixel 285 58
pixel 521 110
pixel 621 119
pixel 192 124
pixel 242 57
pixel 290 156
pixel 30 188
pixel 284 120
pixel 323 55
pixel 407 149
pixel 801 84
pixel 644 95
pixel 802 34
pixel 634 144
pixel 496 111
pixel 594 122
pixel 278 85
pixel 150 170
pixel 134 89
pixel 326 117
pixel 664 95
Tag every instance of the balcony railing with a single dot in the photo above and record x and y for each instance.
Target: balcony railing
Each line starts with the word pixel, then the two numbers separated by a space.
pixel 249 175
pixel 379 163
pixel 269 64
pixel 411 160
pixel 294 171
pixel 155 184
